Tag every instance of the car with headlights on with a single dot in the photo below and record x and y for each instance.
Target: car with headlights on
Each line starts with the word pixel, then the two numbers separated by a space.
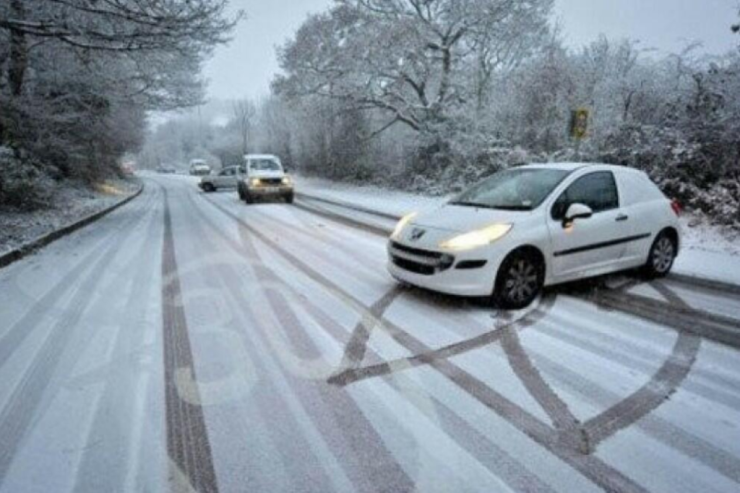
pixel 264 176
pixel 533 226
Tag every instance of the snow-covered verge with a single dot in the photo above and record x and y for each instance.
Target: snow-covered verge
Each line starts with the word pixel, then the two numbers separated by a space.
pixel 370 197
pixel 709 251
pixel 71 202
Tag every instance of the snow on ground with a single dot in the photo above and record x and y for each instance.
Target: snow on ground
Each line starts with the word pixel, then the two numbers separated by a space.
pixel 73 202
pixel 371 197
pixel 708 251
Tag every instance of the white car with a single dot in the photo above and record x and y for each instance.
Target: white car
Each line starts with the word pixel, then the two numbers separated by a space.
pixel 534 226
pixel 198 167
pixel 264 176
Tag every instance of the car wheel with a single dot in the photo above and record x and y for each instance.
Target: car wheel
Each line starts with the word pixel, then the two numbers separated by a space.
pixel 519 281
pixel 208 187
pixel 662 255
pixel 248 198
pixel 289 198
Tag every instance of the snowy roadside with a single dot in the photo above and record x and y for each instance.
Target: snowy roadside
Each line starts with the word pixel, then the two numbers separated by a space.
pixel 708 252
pixel 72 203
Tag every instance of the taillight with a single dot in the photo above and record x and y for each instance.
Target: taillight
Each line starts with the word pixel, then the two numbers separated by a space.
pixel 676 207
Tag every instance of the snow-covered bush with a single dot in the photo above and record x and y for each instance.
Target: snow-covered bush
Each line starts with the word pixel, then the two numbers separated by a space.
pixel 23 185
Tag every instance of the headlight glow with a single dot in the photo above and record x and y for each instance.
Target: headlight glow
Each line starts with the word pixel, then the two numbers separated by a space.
pixel 287 181
pixel 405 220
pixel 255 182
pixel 482 237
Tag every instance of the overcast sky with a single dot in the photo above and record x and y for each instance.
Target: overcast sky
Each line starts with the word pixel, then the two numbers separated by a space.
pixel 246 66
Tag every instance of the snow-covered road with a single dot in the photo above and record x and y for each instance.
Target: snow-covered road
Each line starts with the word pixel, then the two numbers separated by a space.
pixel 189 342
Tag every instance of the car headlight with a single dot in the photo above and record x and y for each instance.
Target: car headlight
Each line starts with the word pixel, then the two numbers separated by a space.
pixel 255 182
pixel 405 220
pixel 482 237
pixel 287 181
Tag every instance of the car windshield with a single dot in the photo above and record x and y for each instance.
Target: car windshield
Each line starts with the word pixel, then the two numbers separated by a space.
pixel 264 165
pixel 515 189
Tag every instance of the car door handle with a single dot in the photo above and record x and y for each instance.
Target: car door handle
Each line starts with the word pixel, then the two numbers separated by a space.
pixel 622 217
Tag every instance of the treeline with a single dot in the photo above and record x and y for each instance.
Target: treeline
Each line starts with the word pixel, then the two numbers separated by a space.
pixel 433 95
pixel 77 78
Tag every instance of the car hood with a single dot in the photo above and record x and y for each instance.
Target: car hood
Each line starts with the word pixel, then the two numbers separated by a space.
pixel 266 174
pixel 461 219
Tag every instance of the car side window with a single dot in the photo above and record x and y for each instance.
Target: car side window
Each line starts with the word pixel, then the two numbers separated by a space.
pixel 596 190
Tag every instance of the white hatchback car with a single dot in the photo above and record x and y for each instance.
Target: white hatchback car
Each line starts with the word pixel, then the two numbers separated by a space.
pixel 534 226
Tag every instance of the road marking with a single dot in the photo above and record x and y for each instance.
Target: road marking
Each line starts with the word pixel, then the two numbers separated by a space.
pixel 590 466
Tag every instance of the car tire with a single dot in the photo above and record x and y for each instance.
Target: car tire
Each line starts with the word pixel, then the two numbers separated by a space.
pixel 662 255
pixel 209 188
pixel 519 281
pixel 248 198
pixel 289 198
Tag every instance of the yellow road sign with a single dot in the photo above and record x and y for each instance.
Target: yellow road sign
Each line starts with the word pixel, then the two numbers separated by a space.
pixel 579 123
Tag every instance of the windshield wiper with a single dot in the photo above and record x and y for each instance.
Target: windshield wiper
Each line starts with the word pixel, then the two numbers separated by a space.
pixel 512 207
pixel 472 204
pixel 494 207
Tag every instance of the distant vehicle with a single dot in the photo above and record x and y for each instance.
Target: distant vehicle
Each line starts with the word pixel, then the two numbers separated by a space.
pixel 166 170
pixel 128 168
pixel 264 176
pixel 538 225
pixel 198 167
pixel 226 178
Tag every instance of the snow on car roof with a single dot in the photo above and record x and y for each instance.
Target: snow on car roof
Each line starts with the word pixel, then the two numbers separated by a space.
pixel 261 156
pixel 573 166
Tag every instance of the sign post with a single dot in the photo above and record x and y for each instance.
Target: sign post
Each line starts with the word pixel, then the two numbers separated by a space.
pixel 578 129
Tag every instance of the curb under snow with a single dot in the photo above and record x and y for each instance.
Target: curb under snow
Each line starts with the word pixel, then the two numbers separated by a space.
pixel 32 246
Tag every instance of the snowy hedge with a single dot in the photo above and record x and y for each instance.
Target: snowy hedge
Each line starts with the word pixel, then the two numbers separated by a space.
pixel 23 185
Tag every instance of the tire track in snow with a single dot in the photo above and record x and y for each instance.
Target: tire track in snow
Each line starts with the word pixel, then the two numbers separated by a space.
pixel 21 408
pixel 357 374
pixel 656 391
pixel 364 451
pixel 188 444
pixel 117 400
pixel 662 384
pixel 30 321
pixel 660 429
pixel 567 425
pixel 590 466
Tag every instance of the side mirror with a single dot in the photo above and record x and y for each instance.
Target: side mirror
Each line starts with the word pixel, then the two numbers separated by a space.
pixel 577 211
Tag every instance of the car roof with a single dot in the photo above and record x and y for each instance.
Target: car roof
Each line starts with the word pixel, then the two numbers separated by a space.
pixel 571 167
pixel 261 156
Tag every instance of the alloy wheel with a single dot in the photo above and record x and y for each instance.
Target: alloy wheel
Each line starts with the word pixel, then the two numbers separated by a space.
pixel 521 283
pixel 663 255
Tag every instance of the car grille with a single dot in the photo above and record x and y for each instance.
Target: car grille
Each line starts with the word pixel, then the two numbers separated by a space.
pixel 271 182
pixel 419 261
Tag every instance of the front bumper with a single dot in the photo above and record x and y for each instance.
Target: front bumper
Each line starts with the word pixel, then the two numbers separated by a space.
pixel 263 190
pixel 463 274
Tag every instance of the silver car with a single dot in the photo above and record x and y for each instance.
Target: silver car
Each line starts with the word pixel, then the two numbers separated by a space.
pixel 226 178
